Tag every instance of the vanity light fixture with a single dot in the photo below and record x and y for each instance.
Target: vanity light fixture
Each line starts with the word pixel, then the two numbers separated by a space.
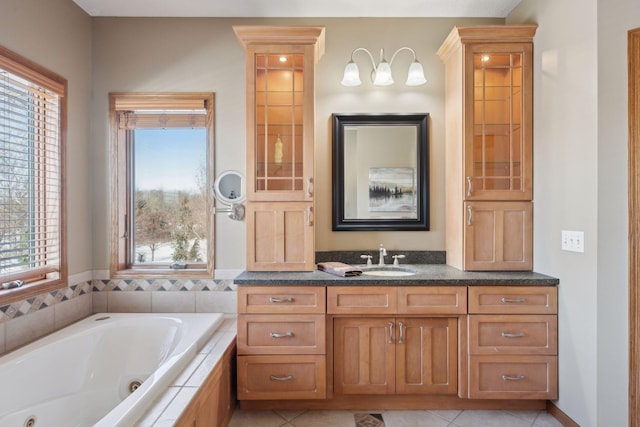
pixel 381 73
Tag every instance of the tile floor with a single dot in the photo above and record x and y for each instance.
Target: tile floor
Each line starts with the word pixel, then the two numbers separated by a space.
pixel 449 418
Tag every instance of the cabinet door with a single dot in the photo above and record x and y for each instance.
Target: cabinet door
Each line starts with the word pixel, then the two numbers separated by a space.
pixel 364 355
pixel 498 134
pixel 426 356
pixel 280 236
pixel 280 131
pixel 498 236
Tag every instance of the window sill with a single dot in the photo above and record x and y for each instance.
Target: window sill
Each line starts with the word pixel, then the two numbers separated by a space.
pixel 29 290
pixel 161 273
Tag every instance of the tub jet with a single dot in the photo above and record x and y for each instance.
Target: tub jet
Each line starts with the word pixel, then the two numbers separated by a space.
pixel 133 385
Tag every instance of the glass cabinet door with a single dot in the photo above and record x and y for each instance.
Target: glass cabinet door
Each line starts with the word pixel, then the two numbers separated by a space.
pixel 279 151
pixel 498 151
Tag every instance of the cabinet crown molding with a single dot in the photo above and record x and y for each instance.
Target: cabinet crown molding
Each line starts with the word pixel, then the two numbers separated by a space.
pixel 486 34
pixel 249 35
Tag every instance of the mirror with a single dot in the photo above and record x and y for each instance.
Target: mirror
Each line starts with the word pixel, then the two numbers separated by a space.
pixel 380 172
pixel 228 188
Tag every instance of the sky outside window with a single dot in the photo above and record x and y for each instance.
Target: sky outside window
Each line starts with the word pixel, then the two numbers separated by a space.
pixel 169 159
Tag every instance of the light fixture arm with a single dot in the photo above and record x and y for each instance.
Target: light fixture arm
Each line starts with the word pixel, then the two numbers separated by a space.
pixel 401 49
pixel 362 49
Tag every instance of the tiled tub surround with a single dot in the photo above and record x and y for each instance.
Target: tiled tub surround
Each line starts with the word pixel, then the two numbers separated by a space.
pixel 92 292
pixel 168 408
pixel 118 349
pixel 25 321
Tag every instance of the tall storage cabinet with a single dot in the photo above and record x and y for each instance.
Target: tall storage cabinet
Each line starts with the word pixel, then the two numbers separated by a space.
pixel 280 145
pixel 489 149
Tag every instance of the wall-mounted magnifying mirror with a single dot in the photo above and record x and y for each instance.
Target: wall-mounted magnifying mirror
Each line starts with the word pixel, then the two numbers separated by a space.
pixel 229 189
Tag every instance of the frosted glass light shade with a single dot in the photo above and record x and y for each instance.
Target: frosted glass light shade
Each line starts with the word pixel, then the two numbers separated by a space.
pixel 415 76
pixel 383 74
pixel 351 75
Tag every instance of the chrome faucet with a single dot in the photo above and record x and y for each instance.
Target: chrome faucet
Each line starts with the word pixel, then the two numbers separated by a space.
pixel 383 253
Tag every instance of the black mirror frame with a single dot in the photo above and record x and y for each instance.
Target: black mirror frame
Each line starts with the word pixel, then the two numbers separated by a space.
pixel 421 223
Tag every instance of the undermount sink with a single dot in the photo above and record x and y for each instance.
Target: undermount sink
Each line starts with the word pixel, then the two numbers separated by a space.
pixel 388 271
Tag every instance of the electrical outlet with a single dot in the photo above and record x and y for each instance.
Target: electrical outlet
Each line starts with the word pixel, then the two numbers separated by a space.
pixel 573 241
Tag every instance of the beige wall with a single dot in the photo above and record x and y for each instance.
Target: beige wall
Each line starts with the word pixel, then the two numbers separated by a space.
pixel 580 140
pixel 57 35
pixel 204 55
pixel 615 18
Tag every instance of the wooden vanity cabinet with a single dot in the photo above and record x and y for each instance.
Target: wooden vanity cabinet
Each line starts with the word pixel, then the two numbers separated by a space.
pixel 280 82
pixel 489 147
pixel 346 347
pixel 281 342
pixel 513 342
pixel 389 349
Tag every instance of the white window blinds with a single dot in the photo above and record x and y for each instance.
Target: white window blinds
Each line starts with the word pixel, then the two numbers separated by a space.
pixel 30 176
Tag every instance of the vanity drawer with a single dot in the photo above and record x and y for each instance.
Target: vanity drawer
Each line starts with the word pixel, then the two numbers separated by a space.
pixel 281 377
pixel 361 300
pixel 513 377
pixel 432 300
pixel 513 334
pixel 513 299
pixel 276 334
pixel 281 299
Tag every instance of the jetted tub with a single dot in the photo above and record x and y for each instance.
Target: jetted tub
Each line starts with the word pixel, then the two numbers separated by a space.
pixel 104 370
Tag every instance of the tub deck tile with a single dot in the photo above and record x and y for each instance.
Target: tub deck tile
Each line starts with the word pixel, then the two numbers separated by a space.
pixel 189 370
pixel 211 360
pixel 158 407
pixel 173 411
pixel 168 408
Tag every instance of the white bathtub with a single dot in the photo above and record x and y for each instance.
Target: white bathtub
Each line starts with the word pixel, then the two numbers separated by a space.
pixel 80 376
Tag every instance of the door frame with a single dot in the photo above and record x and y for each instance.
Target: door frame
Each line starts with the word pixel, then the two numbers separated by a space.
pixel 633 58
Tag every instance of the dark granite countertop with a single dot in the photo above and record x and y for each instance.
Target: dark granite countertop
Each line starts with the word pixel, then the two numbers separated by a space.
pixel 425 275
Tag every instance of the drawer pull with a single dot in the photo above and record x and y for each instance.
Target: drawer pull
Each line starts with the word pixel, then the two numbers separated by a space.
pixel 510 335
pixel 390 332
pixel 512 378
pixel 285 378
pixel 276 299
pixel 400 337
pixel 506 300
pixel 277 335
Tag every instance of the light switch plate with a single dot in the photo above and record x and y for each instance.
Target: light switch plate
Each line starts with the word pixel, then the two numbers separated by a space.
pixel 573 241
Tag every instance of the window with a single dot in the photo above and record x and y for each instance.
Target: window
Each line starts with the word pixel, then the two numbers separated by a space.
pixel 162 151
pixel 32 143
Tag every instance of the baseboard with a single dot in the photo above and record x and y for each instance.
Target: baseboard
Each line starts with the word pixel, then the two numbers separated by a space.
pixel 557 413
